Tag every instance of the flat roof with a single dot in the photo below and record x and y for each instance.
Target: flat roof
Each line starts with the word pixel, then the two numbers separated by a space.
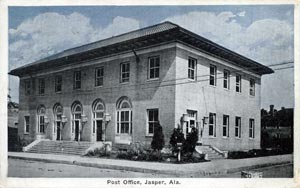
pixel 152 35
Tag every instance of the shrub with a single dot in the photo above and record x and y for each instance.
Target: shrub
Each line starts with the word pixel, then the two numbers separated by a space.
pixel 99 151
pixel 158 141
pixel 176 137
pixel 190 142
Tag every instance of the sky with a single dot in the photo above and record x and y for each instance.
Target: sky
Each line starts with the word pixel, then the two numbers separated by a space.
pixel 263 33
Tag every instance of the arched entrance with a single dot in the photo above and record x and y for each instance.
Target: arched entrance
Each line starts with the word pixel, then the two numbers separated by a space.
pixel 76 120
pixel 98 115
pixel 58 112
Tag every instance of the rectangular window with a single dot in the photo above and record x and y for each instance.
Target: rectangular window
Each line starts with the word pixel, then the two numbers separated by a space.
pixel 252 87
pixel 237 127
pixel 152 120
pixel 41 86
pixel 238 83
pixel 251 128
pixel 225 126
pixel 212 124
pixel 42 124
pixel 153 67
pixel 192 68
pixel 58 83
pixel 226 82
pixel 27 87
pixel 26 124
pixel 77 80
pixel 213 75
pixel 99 74
pixel 125 72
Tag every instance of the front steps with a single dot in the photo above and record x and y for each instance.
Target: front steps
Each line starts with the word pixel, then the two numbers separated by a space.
pixel 212 153
pixel 60 147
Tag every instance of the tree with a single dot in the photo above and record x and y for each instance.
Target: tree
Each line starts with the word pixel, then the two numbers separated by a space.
pixel 191 141
pixel 176 137
pixel 158 140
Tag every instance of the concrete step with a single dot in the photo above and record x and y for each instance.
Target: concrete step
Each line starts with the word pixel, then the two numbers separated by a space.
pixel 61 147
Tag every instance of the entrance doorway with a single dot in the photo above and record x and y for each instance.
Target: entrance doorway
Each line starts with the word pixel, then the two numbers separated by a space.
pixel 58 130
pixel 192 116
pixel 99 130
pixel 77 130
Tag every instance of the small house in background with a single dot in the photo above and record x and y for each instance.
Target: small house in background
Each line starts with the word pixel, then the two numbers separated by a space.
pixel 118 88
pixel 277 128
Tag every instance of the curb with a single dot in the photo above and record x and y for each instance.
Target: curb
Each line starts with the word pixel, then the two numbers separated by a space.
pixel 146 170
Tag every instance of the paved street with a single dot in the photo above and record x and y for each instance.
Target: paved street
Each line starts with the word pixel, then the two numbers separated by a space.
pixel 25 168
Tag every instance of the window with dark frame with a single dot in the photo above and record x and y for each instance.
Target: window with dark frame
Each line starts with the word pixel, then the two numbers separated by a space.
pixel 27 87
pixel 238 83
pixel 192 64
pixel 153 67
pixel 252 87
pixel 41 83
pixel 213 75
pixel 99 75
pixel 58 83
pixel 251 128
pixel 152 120
pixel 27 124
pixel 237 127
pixel 212 125
pixel 225 125
pixel 226 81
pixel 77 80
pixel 125 72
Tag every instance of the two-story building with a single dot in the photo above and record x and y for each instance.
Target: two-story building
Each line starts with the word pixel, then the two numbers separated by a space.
pixel 116 89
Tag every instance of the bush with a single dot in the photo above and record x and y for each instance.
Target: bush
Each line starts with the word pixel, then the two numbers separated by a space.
pixel 176 137
pixel 190 142
pixel 158 141
pixel 256 153
pixel 99 150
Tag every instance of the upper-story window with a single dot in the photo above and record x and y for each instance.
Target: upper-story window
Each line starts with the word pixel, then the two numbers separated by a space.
pixel 77 80
pixel 153 67
pixel 238 83
pixel 58 83
pixel 226 77
pixel 41 86
pixel 27 87
pixel 192 68
pixel 99 74
pixel 213 75
pixel 152 120
pixel 252 87
pixel 125 72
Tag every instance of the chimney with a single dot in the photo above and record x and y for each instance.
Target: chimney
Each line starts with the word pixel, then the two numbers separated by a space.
pixel 272 109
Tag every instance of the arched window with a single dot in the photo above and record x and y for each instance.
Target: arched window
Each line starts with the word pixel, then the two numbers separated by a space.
pixel 41 112
pixel 98 115
pixel 76 114
pixel 124 116
pixel 58 112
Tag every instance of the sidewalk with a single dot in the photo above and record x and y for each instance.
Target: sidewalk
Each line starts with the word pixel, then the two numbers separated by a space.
pixel 223 166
